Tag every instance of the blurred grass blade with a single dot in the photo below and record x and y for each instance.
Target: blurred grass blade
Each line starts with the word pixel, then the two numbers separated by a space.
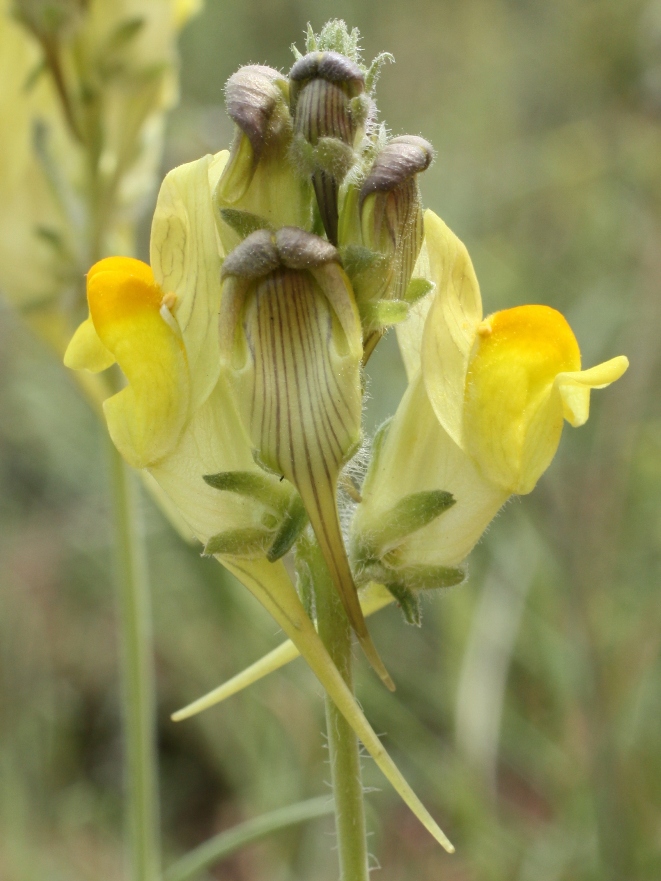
pixel 226 843
pixel 376 597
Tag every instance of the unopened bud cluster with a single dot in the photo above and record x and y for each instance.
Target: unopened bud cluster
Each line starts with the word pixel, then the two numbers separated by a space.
pixel 308 152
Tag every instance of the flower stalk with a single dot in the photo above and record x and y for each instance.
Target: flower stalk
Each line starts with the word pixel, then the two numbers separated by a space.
pixel 343 749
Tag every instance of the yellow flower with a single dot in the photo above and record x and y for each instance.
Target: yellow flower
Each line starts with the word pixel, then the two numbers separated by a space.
pixel 157 322
pixel 481 420
pixel 416 456
pixel 500 387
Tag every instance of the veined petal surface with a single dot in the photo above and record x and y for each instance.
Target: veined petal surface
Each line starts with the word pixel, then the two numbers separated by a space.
pixel 186 260
pixel 450 327
pixel 418 455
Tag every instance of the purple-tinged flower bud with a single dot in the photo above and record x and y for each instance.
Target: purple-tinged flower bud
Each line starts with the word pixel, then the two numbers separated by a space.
pixel 329 107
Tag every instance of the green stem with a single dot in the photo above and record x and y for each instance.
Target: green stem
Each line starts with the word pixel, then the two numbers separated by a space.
pixel 138 693
pixel 343 749
pixel 226 843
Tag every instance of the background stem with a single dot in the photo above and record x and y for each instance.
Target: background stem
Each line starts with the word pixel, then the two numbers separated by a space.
pixel 343 747
pixel 137 673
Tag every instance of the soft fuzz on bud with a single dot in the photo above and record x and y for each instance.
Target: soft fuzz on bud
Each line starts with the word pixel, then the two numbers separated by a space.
pixel 329 107
pixel 259 187
pixel 381 233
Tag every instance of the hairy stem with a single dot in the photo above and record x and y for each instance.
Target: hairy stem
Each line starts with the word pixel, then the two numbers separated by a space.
pixel 335 631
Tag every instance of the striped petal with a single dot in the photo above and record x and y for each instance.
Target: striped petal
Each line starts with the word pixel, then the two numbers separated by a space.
pixel 291 341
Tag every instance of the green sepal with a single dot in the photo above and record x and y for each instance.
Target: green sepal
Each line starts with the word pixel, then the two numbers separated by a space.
pixel 408 602
pixel 374 70
pixel 332 156
pixel 357 259
pixel 293 524
pixel 432 577
pixel 243 222
pixel 413 578
pixel 252 484
pixel 125 31
pixel 408 515
pixel 417 289
pixel 247 542
pixel 384 312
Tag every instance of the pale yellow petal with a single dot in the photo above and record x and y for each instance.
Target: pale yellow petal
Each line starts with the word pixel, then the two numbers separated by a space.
pixel 146 418
pixel 575 387
pixel 409 332
pixel 213 441
pixel 186 262
pixel 86 351
pixel 418 455
pixel 450 328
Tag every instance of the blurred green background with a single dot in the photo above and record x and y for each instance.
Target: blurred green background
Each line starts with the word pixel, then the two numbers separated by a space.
pixel 528 709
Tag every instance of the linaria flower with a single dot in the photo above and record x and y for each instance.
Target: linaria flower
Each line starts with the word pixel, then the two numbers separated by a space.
pixel 178 417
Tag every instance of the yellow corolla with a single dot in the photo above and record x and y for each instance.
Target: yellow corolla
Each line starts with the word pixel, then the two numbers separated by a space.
pixel 157 322
pixel 500 387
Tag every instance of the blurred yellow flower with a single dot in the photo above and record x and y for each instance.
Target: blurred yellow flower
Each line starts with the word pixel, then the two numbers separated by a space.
pixel 84 91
